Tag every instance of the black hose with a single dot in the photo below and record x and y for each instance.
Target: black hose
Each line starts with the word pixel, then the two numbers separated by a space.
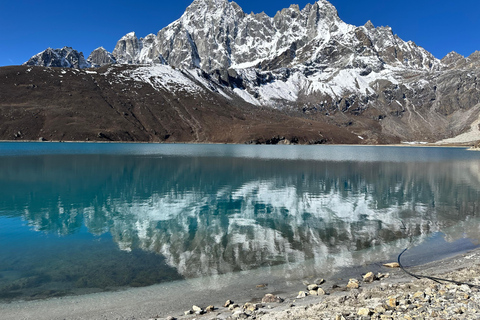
pixel 430 277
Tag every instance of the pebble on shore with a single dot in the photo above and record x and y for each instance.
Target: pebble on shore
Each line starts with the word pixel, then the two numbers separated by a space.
pixel 410 299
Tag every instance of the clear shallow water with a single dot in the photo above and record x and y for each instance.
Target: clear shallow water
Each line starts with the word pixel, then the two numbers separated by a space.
pixel 79 218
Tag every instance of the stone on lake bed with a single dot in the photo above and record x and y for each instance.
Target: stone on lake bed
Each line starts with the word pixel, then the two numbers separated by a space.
pixel 321 292
pixel 313 293
pixel 196 308
pixel 369 277
pixel 392 265
pixel 353 284
pixel 271 298
pixel 312 287
pixel 319 281
pixel 250 306
pixel 302 294
pixel 239 314
pixel 228 303
pixel 233 306
pixel 210 308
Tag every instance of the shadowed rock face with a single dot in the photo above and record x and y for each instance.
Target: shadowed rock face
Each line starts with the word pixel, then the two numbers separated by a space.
pixel 100 57
pixel 305 63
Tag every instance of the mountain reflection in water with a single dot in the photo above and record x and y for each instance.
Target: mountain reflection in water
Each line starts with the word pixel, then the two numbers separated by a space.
pixel 209 215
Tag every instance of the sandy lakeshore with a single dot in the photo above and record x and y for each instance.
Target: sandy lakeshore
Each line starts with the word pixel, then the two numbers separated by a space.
pixel 397 296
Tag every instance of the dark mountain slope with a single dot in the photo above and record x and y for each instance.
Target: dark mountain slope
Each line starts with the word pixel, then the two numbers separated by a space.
pixel 106 105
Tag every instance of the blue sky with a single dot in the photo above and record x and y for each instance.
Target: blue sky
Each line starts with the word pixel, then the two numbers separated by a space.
pixel 29 27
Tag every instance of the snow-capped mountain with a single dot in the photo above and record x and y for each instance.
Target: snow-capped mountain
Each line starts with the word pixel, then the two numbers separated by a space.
pixel 310 63
pixel 65 57
pixel 217 35
pixel 100 57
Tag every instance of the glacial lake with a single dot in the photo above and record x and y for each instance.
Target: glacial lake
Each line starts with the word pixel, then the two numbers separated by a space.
pixel 79 218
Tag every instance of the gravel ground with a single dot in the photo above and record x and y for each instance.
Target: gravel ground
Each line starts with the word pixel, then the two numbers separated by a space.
pixel 394 296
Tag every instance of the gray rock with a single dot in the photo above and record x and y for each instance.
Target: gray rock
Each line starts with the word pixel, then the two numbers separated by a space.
pixel 65 57
pixel 100 57
pixel 369 277
pixel 196 308
pixel 353 284
pixel 312 287
pixel 271 298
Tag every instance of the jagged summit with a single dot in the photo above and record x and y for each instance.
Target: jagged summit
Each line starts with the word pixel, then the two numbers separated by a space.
pixel 218 35
pixel 223 6
pixel 65 57
pixel 454 60
pixel 100 57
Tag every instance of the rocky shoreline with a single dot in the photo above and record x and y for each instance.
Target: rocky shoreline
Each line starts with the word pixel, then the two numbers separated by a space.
pixel 392 295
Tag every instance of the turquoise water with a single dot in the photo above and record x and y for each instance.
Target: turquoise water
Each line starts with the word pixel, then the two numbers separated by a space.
pixel 77 218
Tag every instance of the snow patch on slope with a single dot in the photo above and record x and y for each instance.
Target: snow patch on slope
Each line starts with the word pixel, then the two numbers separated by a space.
pixel 332 82
pixel 246 96
pixel 162 77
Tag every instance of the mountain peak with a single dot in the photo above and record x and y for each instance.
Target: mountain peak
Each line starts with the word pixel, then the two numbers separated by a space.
pixel 100 57
pixel 217 35
pixel 475 55
pixel 130 35
pixel 369 25
pixel 65 57
pixel 205 6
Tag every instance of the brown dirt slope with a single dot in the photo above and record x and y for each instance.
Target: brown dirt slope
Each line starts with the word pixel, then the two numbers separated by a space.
pixel 57 104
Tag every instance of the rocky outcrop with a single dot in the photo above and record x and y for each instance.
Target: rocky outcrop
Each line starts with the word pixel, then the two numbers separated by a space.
pixel 131 50
pixel 454 60
pixel 65 57
pixel 100 57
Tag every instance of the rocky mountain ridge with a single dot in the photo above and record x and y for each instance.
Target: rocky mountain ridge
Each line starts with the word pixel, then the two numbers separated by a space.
pixel 310 64
pixel 65 57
